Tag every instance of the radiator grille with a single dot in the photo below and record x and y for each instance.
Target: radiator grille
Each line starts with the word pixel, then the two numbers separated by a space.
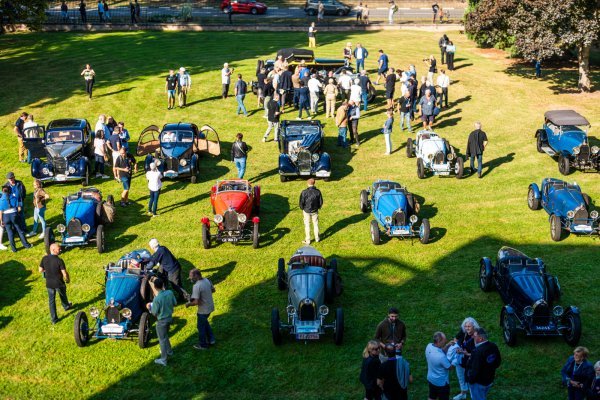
pixel 584 153
pixel 399 218
pixel 581 216
pixel 171 164
pixel 58 163
pixel 230 220
pixel 113 316
pixel 304 160
pixel 74 227
pixel 307 312
pixel 438 158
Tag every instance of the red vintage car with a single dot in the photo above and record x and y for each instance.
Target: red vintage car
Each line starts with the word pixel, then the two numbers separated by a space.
pixel 244 6
pixel 236 205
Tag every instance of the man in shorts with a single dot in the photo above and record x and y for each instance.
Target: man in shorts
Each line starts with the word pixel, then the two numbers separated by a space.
pixel 382 63
pixel 171 87
pixel 125 168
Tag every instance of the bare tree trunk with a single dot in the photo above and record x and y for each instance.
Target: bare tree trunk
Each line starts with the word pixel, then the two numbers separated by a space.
pixel 583 58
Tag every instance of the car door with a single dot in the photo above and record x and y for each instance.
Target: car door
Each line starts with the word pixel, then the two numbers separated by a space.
pixel 148 142
pixel 208 141
pixel 241 6
pixel 329 6
pixel 33 140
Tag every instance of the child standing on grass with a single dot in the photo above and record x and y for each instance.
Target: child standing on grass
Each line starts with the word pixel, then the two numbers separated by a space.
pixel 39 208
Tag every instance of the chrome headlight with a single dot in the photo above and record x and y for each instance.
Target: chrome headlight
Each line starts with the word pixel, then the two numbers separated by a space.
pixel 430 156
pixel 594 214
pixel 71 170
pixel 570 214
pixel 61 228
pixel 413 218
pixel 450 156
pixel 94 312
pixel 218 218
pixel 126 312
pixel 576 150
pixel 45 171
pixel 388 219
pixel 85 227
pixel 323 310
pixel 528 311
pixel 558 311
pixel 242 218
pixel 290 310
pixel 183 163
pixel 315 157
pixel 157 162
pixel 595 149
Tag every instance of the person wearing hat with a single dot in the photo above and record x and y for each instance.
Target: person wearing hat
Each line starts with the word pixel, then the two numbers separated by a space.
pixel 18 191
pixel 184 83
pixel 9 218
pixel 154 178
pixel 168 265
pixel 348 53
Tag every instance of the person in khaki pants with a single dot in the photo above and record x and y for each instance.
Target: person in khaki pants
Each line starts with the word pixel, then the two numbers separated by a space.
pixel 19 126
pixel 330 93
pixel 311 202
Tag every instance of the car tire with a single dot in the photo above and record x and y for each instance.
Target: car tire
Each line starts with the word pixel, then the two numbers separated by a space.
pixel 556 230
pixel 532 201
pixel 459 168
pixel 486 282
pixel 275 326
pixel 364 201
pixel 144 330
pixel 424 231
pixel 253 11
pixel 81 329
pixel 283 178
pixel 100 238
pixel 86 178
pixel 206 236
pixel 312 13
pixel 338 287
pixel 255 236
pixel 281 275
pixel 539 141
pixel 587 201
pixel 420 168
pixel 574 332
pixel 329 286
pixel 338 336
pixel 409 148
pixel 340 13
pixel 48 239
pixel 375 238
pixel 509 328
pixel 564 165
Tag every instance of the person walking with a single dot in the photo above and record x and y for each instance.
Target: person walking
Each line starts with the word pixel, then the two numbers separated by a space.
pixel 101 10
pixel 353 118
pixel 442 43
pixel 239 154
pixel 240 94
pixel 202 297
pixel 330 91
pixel 184 84
pixel 18 193
pixel 170 88
pixel 435 9
pixel 225 80
pixel 125 168
pixel 169 266
pixel 577 374
pixel 39 208
pixel 303 100
pixel 83 12
pixel 450 51
pixel 394 375
pixel 427 104
pixel 369 371
pixel 9 218
pixel 391 331
pixel 18 129
pixel 154 178
pixel 311 201
pixel 312 39
pixel 382 66
pixel 314 87
pixel 89 76
pixel 482 365
pixel 538 68
pixel 438 368
pixel 387 131
pixel 393 8
pixel 53 269
pixel 365 86
pixel 404 106
pixel 162 308
pixel 360 55
pixel 476 145
pixel 365 14
pixel 443 81
pixel 273 113
pixel 341 121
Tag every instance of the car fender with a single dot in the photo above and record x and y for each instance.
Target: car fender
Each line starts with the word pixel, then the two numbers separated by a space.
pixel 286 165
pixel 508 310
pixel 536 190
pixel 572 309
pixel 194 162
pixel 36 168
pixel 83 164
pixel 488 264
pixel 541 133
pixel 324 162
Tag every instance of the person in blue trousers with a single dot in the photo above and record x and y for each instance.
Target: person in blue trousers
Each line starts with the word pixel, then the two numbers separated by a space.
pixel 239 154
pixel 240 94
pixel 475 146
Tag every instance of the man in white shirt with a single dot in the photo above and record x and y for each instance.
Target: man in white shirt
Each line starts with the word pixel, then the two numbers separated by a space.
pixel 345 82
pixel 438 368
pixel 356 92
pixel 443 81
pixel 154 177
pixel 184 81
pixel 226 79
pixel 314 86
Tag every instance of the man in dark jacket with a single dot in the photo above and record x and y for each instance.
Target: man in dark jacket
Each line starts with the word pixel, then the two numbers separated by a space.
pixel 391 330
pixel 475 146
pixel 482 365
pixel 311 202
pixel 169 265
pixel 239 154
pixel 18 191
pixel 285 86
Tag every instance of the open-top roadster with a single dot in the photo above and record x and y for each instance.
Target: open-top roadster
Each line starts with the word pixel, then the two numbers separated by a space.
pixel 86 214
pixel 568 208
pixel 301 148
pixel 564 135
pixel 124 316
pixel 395 209
pixel 62 151
pixel 434 154
pixel 530 295
pixel 311 283
pixel 236 205
pixel 175 149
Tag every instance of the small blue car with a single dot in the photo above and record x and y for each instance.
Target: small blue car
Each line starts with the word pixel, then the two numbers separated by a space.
pixel 564 135
pixel 568 208
pixel 124 316
pixel 62 151
pixel 301 150
pixel 86 215
pixel 395 209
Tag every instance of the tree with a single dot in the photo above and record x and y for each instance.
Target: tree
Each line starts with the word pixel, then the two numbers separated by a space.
pixel 29 12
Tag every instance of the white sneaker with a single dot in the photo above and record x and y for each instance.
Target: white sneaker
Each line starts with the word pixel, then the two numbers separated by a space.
pixel 264 139
pixel 460 396
pixel 98 175
pixel 41 236
pixel 105 176
pixel 161 362
pixel 3 247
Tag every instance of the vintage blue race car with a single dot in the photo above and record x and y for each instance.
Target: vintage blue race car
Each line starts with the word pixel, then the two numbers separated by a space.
pixel 564 135
pixel 301 148
pixel 123 316
pixel 61 151
pixel 395 209
pixel 530 295
pixel 567 206
pixel 86 215
pixel 310 283
pixel 176 148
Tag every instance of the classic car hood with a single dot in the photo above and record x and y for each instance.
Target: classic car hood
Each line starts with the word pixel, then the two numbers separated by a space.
pixel 571 139
pixel 432 146
pixel 567 199
pixel 530 285
pixel 309 141
pixel 124 289
pixel 63 149
pixel 308 282
pixel 84 210
pixel 175 149
pixel 389 202
pixel 231 200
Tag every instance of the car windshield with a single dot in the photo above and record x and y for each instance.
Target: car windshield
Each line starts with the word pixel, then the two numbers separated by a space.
pixel 233 185
pixel 176 137
pixel 63 136
pixel 302 130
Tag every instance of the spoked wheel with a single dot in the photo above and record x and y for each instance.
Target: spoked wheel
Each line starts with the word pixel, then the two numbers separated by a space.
pixel 459 168
pixel 338 336
pixel 420 168
pixel 281 275
pixel 539 142
pixel 255 236
pixel 509 329
pixel 364 201
pixel 81 329
pixel 556 230
pixel 275 326
pixel 573 333
pixel 144 330
pixel 205 236
pixel 485 276
pixel 100 238
pixel 532 201
pixel 424 231
pixel 409 148
pixel 375 233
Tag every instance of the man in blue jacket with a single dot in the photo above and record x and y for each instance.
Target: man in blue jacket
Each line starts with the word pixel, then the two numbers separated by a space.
pixel 18 191
pixel 360 54
pixel 169 265
pixel 482 365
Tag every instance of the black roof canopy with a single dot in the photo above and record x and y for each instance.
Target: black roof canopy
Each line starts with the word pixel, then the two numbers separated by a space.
pixel 566 117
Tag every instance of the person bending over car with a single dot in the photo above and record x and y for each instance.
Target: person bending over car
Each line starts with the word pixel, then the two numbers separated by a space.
pixel 168 265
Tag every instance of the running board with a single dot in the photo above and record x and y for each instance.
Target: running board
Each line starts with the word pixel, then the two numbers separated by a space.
pixel 548 151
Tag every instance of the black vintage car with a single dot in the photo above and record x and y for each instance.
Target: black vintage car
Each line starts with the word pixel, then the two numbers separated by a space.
pixel 61 151
pixel 301 150
pixel 530 296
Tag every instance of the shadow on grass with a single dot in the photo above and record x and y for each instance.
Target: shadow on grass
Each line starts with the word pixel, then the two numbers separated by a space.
pixel 18 276
pixel 562 78
pixel 496 162
pixel 343 223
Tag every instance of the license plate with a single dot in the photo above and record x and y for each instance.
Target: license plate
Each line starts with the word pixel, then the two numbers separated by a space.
pixel 444 173
pixel 304 173
pixel 230 239
pixel 307 336
pixel 112 329
pixel 400 232
pixel 61 178
pixel 585 228
pixel 73 239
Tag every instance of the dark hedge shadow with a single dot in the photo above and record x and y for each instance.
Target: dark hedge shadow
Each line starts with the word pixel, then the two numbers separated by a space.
pixel 17 279
pixel 560 77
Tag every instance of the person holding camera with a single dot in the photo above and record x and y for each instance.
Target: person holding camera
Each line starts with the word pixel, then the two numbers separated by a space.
pixel 432 65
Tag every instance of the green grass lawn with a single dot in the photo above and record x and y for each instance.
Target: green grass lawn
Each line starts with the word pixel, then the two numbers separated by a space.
pixel 435 285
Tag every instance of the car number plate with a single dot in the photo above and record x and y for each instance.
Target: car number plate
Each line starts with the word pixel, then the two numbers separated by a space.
pixel 400 232
pixel 61 178
pixel 304 173
pixel 586 228
pixel 231 239
pixel 73 239
pixel 307 336
pixel 444 173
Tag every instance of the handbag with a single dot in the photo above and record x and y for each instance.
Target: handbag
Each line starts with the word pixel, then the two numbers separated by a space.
pixel 436 111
